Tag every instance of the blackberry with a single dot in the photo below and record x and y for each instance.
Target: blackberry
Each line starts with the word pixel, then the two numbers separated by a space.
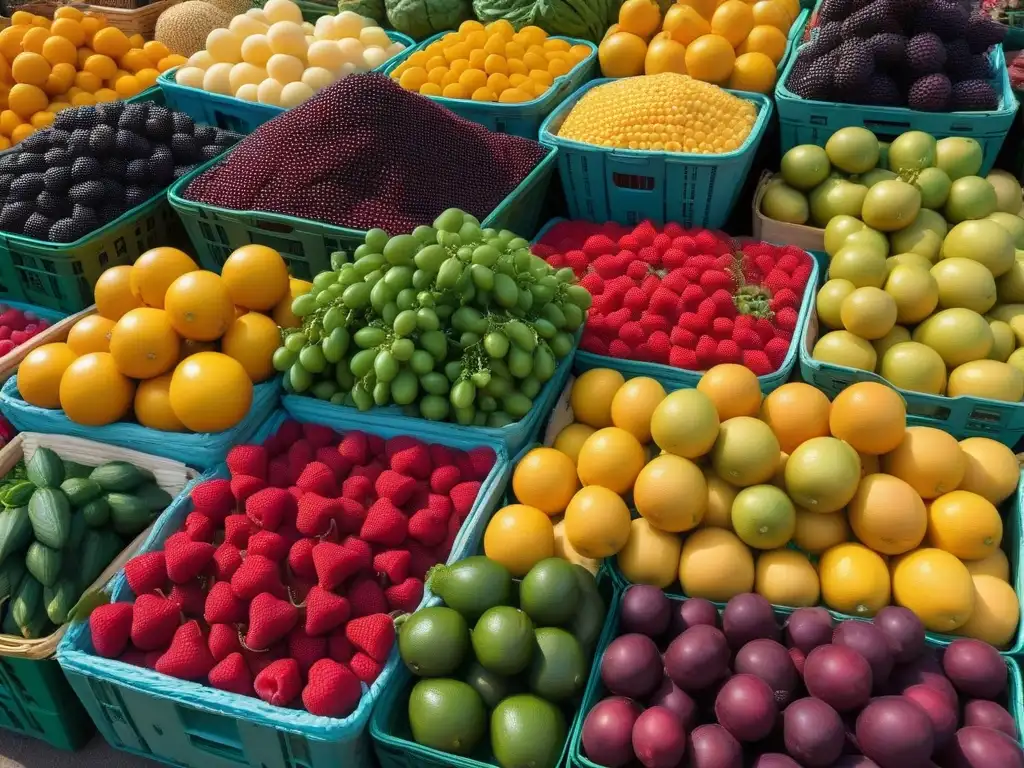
pixel 51 205
pixel 9 162
pixel 114 167
pixel 64 230
pixel 816 85
pixel 882 91
pixel 57 179
pixel 27 186
pixel 958 54
pixel 828 38
pixel 184 170
pixel 88 193
pixel 37 142
pixel 101 139
pixel 138 172
pixel 889 49
pixel 85 218
pixel 159 126
pixel 978 67
pixel 29 162
pixel 37 226
pixel 983 32
pixel 14 214
pixel 58 138
pixel 926 54
pixel 182 123
pixel 5 183
pixel 80 118
pixel 137 195
pixel 946 19
pixel 184 148
pixel 974 96
pixel 930 93
pixel 210 151
pixel 225 139
pixel 855 67
pixel 78 143
pixel 877 16
pixel 141 149
pixel 205 134
pixel 110 112
pixel 85 168
pixel 133 118
pixel 57 156
pixel 834 10
pixel 161 169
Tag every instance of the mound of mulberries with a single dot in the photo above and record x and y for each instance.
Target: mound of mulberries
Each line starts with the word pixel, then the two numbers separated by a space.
pixel 946 19
pixel 826 39
pixel 883 91
pixel 926 54
pixel 855 67
pixel 978 67
pixel 888 48
pixel 834 10
pixel 983 32
pixel 875 17
pixel 974 95
pixel 931 93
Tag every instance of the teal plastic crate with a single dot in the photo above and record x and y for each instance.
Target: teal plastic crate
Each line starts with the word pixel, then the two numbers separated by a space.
pixel 392 735
pixel 813 122
pixel 523 119
pixel 595 692
pixel 191 448
pixel 36 701
pixel 1015 31
pixel 961 417
pixel 307 245
pixel 628 186
pixel 186 724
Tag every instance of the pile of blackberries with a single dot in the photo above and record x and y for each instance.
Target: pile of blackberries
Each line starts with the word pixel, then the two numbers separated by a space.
pixel 96 163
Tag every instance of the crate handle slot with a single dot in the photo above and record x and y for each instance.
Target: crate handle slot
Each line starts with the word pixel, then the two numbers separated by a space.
pixel 274 226
pixel 216 747
pixel 633 182
pixel 895 127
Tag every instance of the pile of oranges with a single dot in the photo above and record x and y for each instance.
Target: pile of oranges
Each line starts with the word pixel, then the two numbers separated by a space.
pixel 732 43
pixel 490 63
pixel 178 346
pixel 74 60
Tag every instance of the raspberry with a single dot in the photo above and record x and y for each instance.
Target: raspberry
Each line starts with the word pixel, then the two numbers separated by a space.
pixel 784 298
pixel 673 258
pixel 685 243
pixel 577 261
pixel 650 323
pixel 776 280
pixel 635 298
pixel 591 343
pixel 722 327
pixel 650 284
pixel 630 242
pixel 746 338
pixel 632 333
pixel 619 284
pixel 714 279
pixel 682 337
pixel 637 270
pixel 728 351
pixel 598 245
pixel 557 261
pixel 707 312
pixel 706 352
pixel 800 277
pixel 645 232
pixel 659 346
pixel 789 262
pixel 617 319
pixel 724 304
pixel 619 348
pixel 602 304
pixel 757 361
pixel 693 295
pixel 701 263
pixel 777 349
pixel 593 283
pixel 606 266
pixel 685 359
pixel 663 302
pixel 786 319
pixel 662 242
pixel 673 230
pixel 650 255
pixel 707 241
pixel 692 322
pixel 764 329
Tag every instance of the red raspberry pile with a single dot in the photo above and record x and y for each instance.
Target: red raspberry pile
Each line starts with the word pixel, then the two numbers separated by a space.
pixel 284 579
pixel 17 327
pixel 687 298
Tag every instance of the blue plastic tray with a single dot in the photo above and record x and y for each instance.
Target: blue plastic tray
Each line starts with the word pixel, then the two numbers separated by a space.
pixel 628 186
pixel 191 448
pixel 813 122
pixel 186 724
pixel 227 111
pixel 522 119
pixel 961 417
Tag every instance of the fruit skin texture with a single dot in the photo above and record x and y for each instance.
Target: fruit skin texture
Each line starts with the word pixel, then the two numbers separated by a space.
pixel 716 565
pixel 545 479
pixel 210 392
pixel 155 270
pixel 144 343
pixel 965 525
pixel 888 515
pixel 153 405
pixel 936 586
pixel 592 396
pixel 671 493
pixel 94 392
pixel 113 293
pixel 869 416
pixel 282 314
pixel 199 306
pixel 990 469
pixel 650 556
pixel 256 277
pixel 40 373
pixel 519 537
pixel 597 522
pixel 854 580
pixel 929 459
pixel 746 452
pixel 251 340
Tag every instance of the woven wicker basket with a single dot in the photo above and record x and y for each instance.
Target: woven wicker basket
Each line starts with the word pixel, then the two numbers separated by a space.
pixel 122 14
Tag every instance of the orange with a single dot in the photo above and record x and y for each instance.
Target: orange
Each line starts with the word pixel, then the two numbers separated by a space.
pixel 94 392
pixel 706 8
pixel 72 29
pixel 597 522
pixel 869 416
pixel 796 412
pixel 519 537
pixel 111 42
pixel 102 66
pixel 60 50
pixel 685 423
pixel 771 13
pixel 90 26
pixel 815 531
pixel 68 12
pixel 210 392
pixel 134 60
pixel 592 395
pixel 622 55
pixel 147 77
pixel 88 82
pixel 282 313
pixel 715 564
pixel 198 305
pixel 10 41
pixel 733 20
pixel 20 18
pixel 854 580
pixel 144 344
pixel 90 334
pixel 936 586
pixel 34 39
pixel 252 340
pixel 190 347
pixel 545 478
pixel 9 120
pixel 169 62
pixel 671 494
pixel 30 68
pixel 39 374
pixel 42 120
pixel 153 405
pixel 611 457
pixel 996 612
pixel 256 277
pixel 887 515
pixel 155 50
pixel 633 405
pixel 753 71
pixel 734 389
pixel 571 439
pixel 640 17
pixel 155 270
pixel 665 55
pixel 991 469
pixel 965 524
pixel 22 132
pixel 710 58
pixel 685 24
pixel 929 459
pixel 136 40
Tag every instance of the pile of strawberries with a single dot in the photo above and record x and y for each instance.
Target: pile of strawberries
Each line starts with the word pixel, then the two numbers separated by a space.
pixel 17 327
pixel 687 298
pixel 286 578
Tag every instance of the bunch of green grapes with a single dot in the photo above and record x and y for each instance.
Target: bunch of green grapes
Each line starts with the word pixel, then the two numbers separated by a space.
pixel 453 321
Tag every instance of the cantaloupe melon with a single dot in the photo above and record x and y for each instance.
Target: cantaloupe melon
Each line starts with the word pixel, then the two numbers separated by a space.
pixel 184 27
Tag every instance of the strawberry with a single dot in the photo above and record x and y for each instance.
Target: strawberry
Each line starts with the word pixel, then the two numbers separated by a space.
pixel 691 322
pixel 373 635
pixel 606 266
pixel 339 465
pixel 482 458
pixel 199 527
pixel 355 446
pixel 366 597
pixel 316 513
pixel 706 314
pixel 318 436
pixel 776 350
pixel 338 646
pixel 706 352
pixel 111 628
pixel 300 558
pixel 278 473
pixel 332 690
pixel 776 280
pixel 391 485
pixel 714 280
pixel 412 461
pixel 593 344
pixel 617 319
pixel 789 262
pixel 271 508
pixel 248 460
pixel 441 455
pixel 146 573
pixel 673 258
pixel 214 499
pixel 222 607
pixel 189 597
pixel 800 277
pixel 279 683
pixel 154 622
pixel 406 596
pixel 370 471
pixel 683 358
pixel 659 346
pixel 576 260
pixel 255 575
pixel 299 453
pixel 365 668
pixel 270 619
pixel 237 529
pixel 186 558
pixel 663 304
pixel 226 560
pixel 745 337
pixel 635 299
pixel 596 245
pixel 325 611
pixel 463 497
pixel 318 478
pixel 357 488
pixel 443 479
pixel 786 319
pixel 427 527
pixel 722 328
pixel 632 333
pixel 785 298
pixel 385 524
pixel 361 549
pixel 681 337
pixel 645 232
pixel 305 649
pixel 757 361
pixel 288 433
pixel 334 563
pixel 662 242
pixel 394 563
pixel 269 544
pixel 728 351
pixel 244 486
pixel 706 241
pixel 188 657
pixel 637 270
pixel 724 305
pixel 223 641
pixel 232 674
pixel 764 329
pixel 620 349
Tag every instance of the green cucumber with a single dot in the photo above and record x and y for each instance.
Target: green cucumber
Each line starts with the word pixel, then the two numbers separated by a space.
pixel 11 573
pixel 79 525
pixel 43 563
pixel 27 605
pixel 81 490
pixel 50 513
pixel 153 496
pixel 96 513
pixel 74 469
pixel 59 599
pixel 118 476
pixel 129 515
pixel 15 531
pixel 99 548
pixel 45 469
pixel 17 495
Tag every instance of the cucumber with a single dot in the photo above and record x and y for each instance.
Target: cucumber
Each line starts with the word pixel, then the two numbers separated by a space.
pixel 153 496
pixel 99 547
pixel 45 469
pixel 74 469
pixel 81 490
pixel 96 513
pixel 27 606
pixel 79 525
pixel 129 515
pixel 43 563
pixel 50 513
pixel 15 531
pixel 17 495
pixel 118 476
pixel 11 573
pixel 59 599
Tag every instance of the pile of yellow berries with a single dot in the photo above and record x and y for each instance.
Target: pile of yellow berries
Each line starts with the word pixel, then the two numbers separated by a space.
pixel 490 63
pixel 75 60
pixel 663 113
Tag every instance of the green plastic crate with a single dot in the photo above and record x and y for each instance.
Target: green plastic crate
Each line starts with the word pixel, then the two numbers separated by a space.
pixel 36 701
pixel 307 245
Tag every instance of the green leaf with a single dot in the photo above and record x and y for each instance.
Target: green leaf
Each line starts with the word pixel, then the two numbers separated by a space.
pixel 87 603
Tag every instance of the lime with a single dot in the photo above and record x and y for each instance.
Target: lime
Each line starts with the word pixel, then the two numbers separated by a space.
pixel 472 585
pixel 491 687
pixel 550 592
pixel 590 614
pixel 527 731
pixel 503 640
pixel 558 670
pixel 433 641
pixel 447 715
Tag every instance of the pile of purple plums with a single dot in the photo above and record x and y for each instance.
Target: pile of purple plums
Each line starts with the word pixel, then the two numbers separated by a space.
pixel 687 687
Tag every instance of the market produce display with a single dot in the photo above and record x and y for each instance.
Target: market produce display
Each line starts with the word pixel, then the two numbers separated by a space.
pixel 61 524
pixel 75 59
pixel 452 321
pixel 891 514
pixel 588 20
pixel 685 685
pixel 491 662
pixel 492 63
pixel 18 326
pixel 95 164
pixel 731 43
pixel 183 27
pixel 686 298
pixel 176 347
pixel 366 153
pixel 272 56
pixel 928 56
pixel 281 582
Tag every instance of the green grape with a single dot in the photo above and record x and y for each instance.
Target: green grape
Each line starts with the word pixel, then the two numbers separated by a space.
pixel 544 363
pixel 486 403
pixel 554 315
pixel 333 318
pixel 500 368
pixel 406 299
pixel 498 387
pixel 468 319
pixel 371 262
pixel 542 294
pixel 421 279
pixel 335 290
pixel 488 233
pixel 421 362
pixel 465 416
pixel 434 407
pixel 389 313
pixel 517 405
pixel 463 394
pixel 341 398
pixel 544 328
pixel 362 398
pixel 325 298
pixel 470 217
pixel 485 255
pixel 370 381
pixel 427 319
pixel 385 366
pixel 470 232
pixel 369 336
pixel 525 301
pixel 480 419
pixel 283 359
pixel 324 280
pixel 449 240
pixel 444 311
pixel 343 375
pixel 356 296
pixel 376 238
pixel 335 345
pixel 434 342
pixel 381 393
pixel 520 362
pixel 481 378
pixel 522 259
pixel 579 296
pixel 294 342
pixel 561 344
pixel 468 339
pixel 314 335
pixel 324 390
pixel 530 386
pixel 286 384
pixel 299 378
pixel 304 305
pixel 516 243
pixel 349 276
pixel 505 266
pixel 399 278
pixel 425 234
pixel 506 292
pixel 520 335
pixel 483 277
pixel 566 275
pixel 496 344
pixel 449 273
pixel 380 295
pixel 338 258
pixel 499 419
pixel 505 237
pixel 450 220
pixel 400 249
pixel 405 388
pixel 362 362
pixel 374 277
pixel 453 370
pixel 402 349
pixel 313 360
pixel 573 317
pixel 465 253
pixel 425 299
pixel 405 323
pixel 435 383
pixel 430 258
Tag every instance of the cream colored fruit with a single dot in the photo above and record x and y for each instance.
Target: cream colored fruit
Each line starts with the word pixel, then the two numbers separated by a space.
pixel 854 580
pixel 720 498
pixel 846 349
pixel 991 470
pixel 914 290
pixel 868 312
pixel 671 493
pixel 959 335
pixel 564 550
pixel 830 299
pixel 996 564
pixel 996 613
pixel 650 556
pixel 936 586
pixel 597 522
pixel 822 474
pixel 929 459
pixel 746 452
pixel 897 335
pixel 964 524
pixel 816 532
pixel 914 367
pixel 1003 340
pixel 988 379
pixel 716 565
pixel 887 515
pixel 786 577
pixel 685 423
